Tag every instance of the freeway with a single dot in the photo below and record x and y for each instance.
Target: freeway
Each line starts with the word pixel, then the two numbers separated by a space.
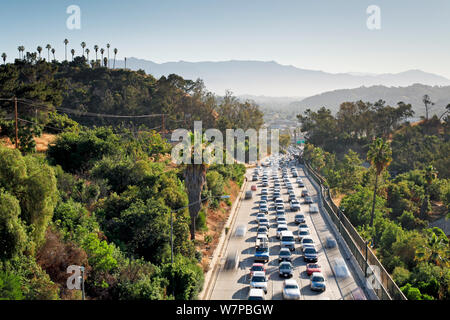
pixel 234 284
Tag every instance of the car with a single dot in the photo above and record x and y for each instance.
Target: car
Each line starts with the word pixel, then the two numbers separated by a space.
pixel 241 230
pixel 262 229
pixel 310 254
pixel 262 252
pixel 253 188
pixel 306 241
pixel 264 198
pixel 330 243
pixel 301 184
pixel 255 178
pixel 298 180
pixel 279 209
pixel 313 267
pixel 299 218
pixel 287 240
pixel 248 194
pixel 304 232
pixel 265 184
pixel 259 281
pixel 264 192
pixel 257 267
pixel 285 269
pixel 232 261
pixel 292 197
pixel 279 201
pixel 276 184
pixel 295 205
pixel 256 294
pixel 263 222
pixel 318 282
pixel 305 193
pixel 284 255
pixel 263 208
pixel 281 220
pixel 340 268
pixel 260 216
pixel 295 174
pixel 308 199
pixel 303 225
pixel 280 228
pixel 291 290
pixel 313 208
pixel 261 240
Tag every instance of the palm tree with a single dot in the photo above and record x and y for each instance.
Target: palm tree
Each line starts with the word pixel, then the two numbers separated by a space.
pixel 72 52
pixel 53 52
pixel 21 50
pixel 102 51
pixel 108 46
pixel 430 176
pixel 380 156
pixel 105 62
pixel 436 250
pixel 83 45
pixel 87 54
pixel 4 57
pixel 115 53
pixel 48 47
pixel 427 101
pixel 96 50
pixel 66 42
pixel 39 50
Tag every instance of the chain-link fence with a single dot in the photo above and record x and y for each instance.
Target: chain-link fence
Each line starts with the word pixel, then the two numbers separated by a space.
pixel 376 276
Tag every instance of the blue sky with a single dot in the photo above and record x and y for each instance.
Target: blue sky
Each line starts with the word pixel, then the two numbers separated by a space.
pixel 328 35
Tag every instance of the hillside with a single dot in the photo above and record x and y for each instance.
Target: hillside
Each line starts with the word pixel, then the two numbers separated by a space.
pixel 413 95
pixel 270 78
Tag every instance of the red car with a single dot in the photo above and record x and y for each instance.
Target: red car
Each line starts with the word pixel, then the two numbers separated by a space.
pixel 312 267
pixel 253 187
pixel 257 267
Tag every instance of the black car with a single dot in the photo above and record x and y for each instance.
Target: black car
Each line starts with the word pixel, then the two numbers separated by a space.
pixel 286 269
pixel 310 254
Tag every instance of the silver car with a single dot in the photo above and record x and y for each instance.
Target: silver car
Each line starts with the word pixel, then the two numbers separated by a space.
pixel 318 282
pixel 291 290
pixel 259 281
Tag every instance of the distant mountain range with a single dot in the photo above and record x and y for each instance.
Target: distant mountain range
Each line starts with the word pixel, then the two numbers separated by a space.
pixel 271 79
pixel 413 94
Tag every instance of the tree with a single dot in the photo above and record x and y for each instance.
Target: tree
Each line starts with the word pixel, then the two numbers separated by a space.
pixel 102 51
pixel 13 237
pixel 87 54
pixel 48 47
pixel 195 179
pixel 108 46
pixel 115 54
pixel 53 52
pixel 72 52
pixel 66 42
pixel 427 102
pixel 436 249
pixel 83 45
pixel 96 51
pixel 4 56
pixel 39 50
pixel 10 286
pixel 380 156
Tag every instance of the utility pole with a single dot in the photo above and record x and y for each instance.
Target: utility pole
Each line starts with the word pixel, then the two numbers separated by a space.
pixel 163 127
pixel 17 125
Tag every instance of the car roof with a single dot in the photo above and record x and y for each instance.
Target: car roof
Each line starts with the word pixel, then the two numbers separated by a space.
pixel 307 237
pixel 254 292
pixel 286 233
pixel 258 264
pixel 317 274
pixel 291 281
pixel 259 274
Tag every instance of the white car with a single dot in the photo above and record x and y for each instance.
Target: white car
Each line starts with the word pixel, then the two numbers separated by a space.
pixel 307 241
pixel 280 228
pixel 259 281
pixel 256 294
pixel 313 208
pixel 260 216
pixel 291 290
pixel 303 232
pixel 340 268
pixel 241 230
pixel 318 282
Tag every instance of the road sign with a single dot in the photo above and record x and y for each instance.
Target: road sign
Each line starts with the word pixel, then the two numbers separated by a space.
pixel 300 141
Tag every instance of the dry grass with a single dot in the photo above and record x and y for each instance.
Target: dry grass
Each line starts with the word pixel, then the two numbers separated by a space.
pixel 42 142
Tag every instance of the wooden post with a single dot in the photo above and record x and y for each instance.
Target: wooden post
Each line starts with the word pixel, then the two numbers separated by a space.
pixel 17 125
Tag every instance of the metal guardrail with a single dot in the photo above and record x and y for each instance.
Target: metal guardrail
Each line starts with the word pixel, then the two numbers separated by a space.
pixel 381 282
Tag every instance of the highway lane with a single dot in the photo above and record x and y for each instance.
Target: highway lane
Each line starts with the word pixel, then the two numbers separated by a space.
pixel 235 284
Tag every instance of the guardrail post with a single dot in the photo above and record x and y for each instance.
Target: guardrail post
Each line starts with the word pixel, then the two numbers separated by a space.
pixel 365 272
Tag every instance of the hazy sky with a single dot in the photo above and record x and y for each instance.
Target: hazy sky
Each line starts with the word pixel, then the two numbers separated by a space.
pixel 328 35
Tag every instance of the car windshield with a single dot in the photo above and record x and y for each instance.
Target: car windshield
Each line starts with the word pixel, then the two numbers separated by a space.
pixel 308 241
pixel 285 253
pixel 255 298
pixel 314 266
pixel 262 250
pixel 258 279
pixel 317 279
pixel 285 266
pixel 304 233
pixel 288 238
pixel 257 268
pixel 262 230
pixel 291 286
pixel 310 250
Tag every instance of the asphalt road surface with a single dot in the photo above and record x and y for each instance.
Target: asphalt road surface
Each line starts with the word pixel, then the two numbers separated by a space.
pixel 230 285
